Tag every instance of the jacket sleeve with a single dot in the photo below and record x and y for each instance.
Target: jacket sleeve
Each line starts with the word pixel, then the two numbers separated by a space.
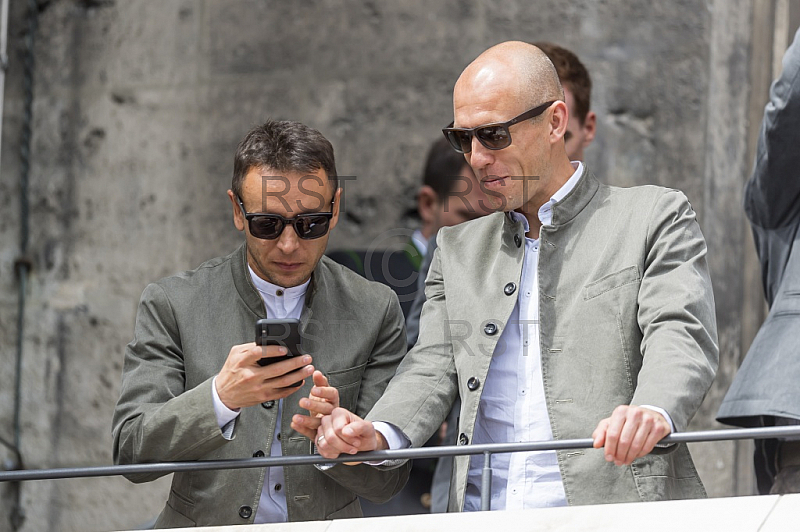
pixel 772 195
pixel 676 313
pixel 156 419
pixel 378 484
pixel 422 392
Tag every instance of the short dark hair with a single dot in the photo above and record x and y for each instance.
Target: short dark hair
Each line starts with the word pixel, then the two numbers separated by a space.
pixel 442 165
pixel 573 74
pixel 283 146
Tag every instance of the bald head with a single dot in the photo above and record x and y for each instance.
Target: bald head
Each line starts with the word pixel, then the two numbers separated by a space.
pixel 511 69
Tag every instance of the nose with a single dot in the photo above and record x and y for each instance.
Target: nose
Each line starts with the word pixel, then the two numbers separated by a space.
pixel 479 156
pixel 288 241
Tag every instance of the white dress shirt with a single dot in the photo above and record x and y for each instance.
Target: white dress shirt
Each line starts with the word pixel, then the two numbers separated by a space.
pixel 513 406
pixel 280 303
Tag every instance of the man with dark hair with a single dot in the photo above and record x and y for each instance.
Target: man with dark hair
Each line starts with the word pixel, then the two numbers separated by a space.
pixel 577 85
pixel 192 384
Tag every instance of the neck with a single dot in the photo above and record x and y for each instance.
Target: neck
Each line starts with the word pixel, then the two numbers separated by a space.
pixel 557 178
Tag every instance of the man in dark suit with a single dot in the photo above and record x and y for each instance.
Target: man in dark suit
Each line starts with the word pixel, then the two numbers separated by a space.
pixel 765 391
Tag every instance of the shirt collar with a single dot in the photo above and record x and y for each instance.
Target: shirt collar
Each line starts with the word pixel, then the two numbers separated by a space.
pixel 272 291
pixel 546 211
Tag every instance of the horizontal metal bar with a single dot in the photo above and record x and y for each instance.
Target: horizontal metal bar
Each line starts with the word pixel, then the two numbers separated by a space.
pixel 377 456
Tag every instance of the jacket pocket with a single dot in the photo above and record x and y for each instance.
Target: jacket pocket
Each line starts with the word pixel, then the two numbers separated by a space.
pixel 348 382
pixel 351 509
pixel 611 281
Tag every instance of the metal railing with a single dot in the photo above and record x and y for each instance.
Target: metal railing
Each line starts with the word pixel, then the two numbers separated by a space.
pixel 487 450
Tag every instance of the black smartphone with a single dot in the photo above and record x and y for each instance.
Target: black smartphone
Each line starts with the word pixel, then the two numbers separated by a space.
pixel 285 332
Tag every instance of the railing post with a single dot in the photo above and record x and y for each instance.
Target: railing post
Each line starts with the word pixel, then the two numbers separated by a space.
pixel 486 482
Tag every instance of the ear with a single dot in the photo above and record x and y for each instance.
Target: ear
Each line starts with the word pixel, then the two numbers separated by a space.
pixel 427 200
pixel 238 217
pixel 589 127
pixel 558 121
pixel 335 209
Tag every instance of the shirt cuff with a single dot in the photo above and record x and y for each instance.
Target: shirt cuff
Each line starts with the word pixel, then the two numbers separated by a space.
pixel 669 420
pixel 225 416
pixel 394 437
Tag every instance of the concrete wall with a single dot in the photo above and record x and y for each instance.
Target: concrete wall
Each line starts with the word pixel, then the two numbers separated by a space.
pixel 138 107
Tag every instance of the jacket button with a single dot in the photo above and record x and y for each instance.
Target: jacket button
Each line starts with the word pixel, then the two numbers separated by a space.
pixel 258 454
pixel 518 240
pixel 509 289
pixel 245 512
pixel 463 439
pixel 490 329
pixel 268 404
pixel 473 383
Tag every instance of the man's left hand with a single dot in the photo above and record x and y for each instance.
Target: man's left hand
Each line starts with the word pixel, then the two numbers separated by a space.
pixel 320 402
pixel 630 433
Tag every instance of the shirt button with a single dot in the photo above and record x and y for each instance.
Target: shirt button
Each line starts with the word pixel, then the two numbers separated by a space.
pixel 277 487
pixel 245 512
pixel 522 392
pixel 279 436
pixel 279 293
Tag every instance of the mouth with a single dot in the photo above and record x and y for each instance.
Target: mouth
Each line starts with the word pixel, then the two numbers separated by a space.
pixel 494 181
pixel 289 266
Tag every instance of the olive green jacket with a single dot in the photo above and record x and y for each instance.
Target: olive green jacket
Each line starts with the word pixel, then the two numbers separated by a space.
pixel 185 327
pixel 626 317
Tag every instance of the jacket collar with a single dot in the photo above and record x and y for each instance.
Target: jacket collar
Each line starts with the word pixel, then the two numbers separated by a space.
pixel 569 207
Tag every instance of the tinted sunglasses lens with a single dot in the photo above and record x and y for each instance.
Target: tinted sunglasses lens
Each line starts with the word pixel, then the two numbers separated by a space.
pixel 494 137
pixel 310 226
pixel 266 227
pixel 460 141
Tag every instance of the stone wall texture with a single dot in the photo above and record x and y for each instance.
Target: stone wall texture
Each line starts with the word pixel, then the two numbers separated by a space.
pixel 139 105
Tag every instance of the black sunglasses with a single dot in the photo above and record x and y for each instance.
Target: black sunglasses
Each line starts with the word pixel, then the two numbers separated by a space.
pixel 308 225
pixel 491 136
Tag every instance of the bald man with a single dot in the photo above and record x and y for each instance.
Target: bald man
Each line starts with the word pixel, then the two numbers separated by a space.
pixel 579 309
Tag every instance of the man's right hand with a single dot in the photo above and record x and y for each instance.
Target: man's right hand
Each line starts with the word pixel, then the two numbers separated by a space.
pixel 343 432
pixel 242 382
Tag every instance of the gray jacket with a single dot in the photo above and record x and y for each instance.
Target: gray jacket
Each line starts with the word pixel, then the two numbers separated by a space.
pixel 185 327
pixel 767 381
pixel 627 316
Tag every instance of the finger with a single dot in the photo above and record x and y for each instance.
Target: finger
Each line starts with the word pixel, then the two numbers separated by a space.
pixel 638 429
pixel 291 379
pixel 316 407
pixel 283 366
pixel 632 424
pixel 326 393
pixel 320 379
pixel 615 424
pixel 332 444
pixel 599 434
pixel 246 354
pixel 305 425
